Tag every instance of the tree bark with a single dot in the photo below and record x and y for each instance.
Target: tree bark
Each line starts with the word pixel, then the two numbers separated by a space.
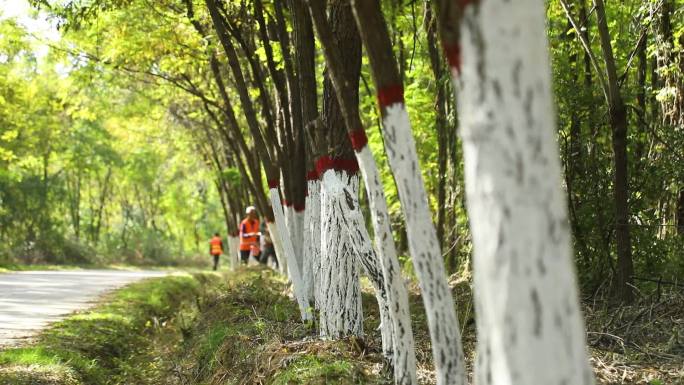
pixel 624 284
pixel 404 360
pixel 401 151
pixel 516 206
pixel 680 213
pixel 642 124
pixel 340 312
pixel 441 119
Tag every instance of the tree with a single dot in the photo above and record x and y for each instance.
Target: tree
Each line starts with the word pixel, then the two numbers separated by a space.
pixel 401 150
pixel 525 290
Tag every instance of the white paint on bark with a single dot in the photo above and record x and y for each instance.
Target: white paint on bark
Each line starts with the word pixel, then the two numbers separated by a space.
pixel 530 328
pixel 298 237
pixel 288 254
pixel 424 247
pixel 340 290
pixel 277 245
pixel 295 234
pixel 404 352
pixel 312 240
pixel 361 243
pixel 233 252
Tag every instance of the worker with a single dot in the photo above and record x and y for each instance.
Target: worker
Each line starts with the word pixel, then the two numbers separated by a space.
pixel 249 235
pixel 216 249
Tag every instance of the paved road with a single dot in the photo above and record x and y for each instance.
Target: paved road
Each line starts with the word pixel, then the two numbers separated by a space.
pixel 30 300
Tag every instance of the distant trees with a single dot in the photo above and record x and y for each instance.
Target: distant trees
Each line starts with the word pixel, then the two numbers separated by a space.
pixel 290 129
pixel 82 180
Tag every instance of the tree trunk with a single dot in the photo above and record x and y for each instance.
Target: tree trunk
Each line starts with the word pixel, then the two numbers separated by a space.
pixel 441 119
pixel 530 327
pixel 642 123
pixel 287 253
pixel 401 152
pixel 278 246
pixel 624 284
pixel 101 206
pixel 340 312
pixel 680 213
pixel 404 360
pixel 360 240
pixel 312 238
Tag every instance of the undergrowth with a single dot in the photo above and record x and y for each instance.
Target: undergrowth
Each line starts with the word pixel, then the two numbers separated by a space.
pixel 244 328
pixel 252 334
pixel 109 344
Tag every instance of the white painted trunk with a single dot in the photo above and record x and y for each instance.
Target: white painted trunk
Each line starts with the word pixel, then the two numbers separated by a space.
pixel 424 247
pixel 312 239
pixel 340 290
pixel 404 351
pixel 294 233
pixel 233 252
pixel 298 237
pixel 288 254
pixel 360 241
pixel 320 267
pixel 277 245
pixel 530 328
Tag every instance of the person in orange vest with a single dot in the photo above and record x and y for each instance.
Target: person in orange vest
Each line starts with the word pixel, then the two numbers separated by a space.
pixel 249 234
pixel 216 249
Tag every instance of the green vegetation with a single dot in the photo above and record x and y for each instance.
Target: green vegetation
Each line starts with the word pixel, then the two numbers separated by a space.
pixel 250 330
pixel 110 147
pixel 210 328
pixel 128 139
pixel 111 343
pixel 243 327
pixel 92 172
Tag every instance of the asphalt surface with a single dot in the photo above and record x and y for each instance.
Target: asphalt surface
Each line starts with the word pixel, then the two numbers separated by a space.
pixel 30 300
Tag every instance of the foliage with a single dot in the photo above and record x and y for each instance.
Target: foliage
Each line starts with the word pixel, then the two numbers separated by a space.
pixel 90 171
pixel 102 345
pixel 128 91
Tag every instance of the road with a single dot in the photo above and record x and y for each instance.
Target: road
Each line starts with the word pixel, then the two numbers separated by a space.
pixel 30 300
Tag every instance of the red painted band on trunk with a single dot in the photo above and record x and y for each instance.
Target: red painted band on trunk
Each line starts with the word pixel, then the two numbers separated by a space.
pixel 349 165
pixel 299 208
pixel 390 95
pixel 235 234
pixel 324 164
pixel 358 139
pixel 453 56
pixel 273 183
pixel 312 175
pixel 286 203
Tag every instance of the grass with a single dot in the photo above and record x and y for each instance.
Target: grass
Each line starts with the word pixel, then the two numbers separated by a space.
pixel 309 369
pixel 111 343
pixel 244 328
pixel 250 332
pixel 10 267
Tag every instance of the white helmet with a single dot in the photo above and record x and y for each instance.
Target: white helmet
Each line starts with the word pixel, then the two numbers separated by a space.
pixel 250 209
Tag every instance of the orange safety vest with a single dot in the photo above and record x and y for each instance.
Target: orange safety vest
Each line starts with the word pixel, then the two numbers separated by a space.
pixel 248 226
pixel 216 247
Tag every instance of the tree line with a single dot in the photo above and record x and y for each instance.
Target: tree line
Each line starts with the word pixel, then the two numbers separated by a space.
pixel 298 106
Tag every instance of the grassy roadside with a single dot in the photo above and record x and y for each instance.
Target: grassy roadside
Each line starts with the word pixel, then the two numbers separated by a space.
pixel 8 268
pixel 251 334
pixel 243 328
pixel 195 329
pixel 111 343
